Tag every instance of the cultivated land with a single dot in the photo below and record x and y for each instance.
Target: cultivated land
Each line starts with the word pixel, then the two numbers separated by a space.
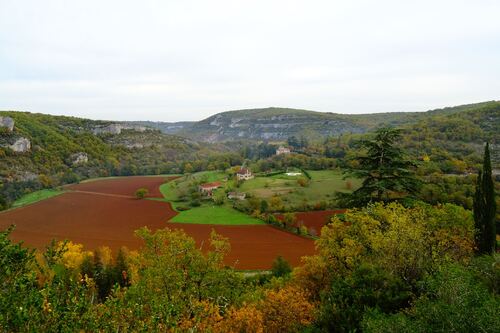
pixel 253 247
pixel 314 220
pixel 91 219
pixel 104 213
pixel 321 187
pixel 123 186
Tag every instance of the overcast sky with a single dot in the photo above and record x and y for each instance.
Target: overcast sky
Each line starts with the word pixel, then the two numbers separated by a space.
pixel 185 60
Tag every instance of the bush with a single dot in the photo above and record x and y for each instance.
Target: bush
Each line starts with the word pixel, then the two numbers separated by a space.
pixel 195 203
pixel 281 267
pixel 182 208
pixel 141 193
pixel 454 301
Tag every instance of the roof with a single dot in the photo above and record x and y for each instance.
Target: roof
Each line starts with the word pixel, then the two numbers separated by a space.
pixel 243 171
pixel 211 185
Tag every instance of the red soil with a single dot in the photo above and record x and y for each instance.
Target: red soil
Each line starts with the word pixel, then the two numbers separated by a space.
pixel 101 213
pixel 314 220
pixel 123 185
pixel 93 220
pixel 253 246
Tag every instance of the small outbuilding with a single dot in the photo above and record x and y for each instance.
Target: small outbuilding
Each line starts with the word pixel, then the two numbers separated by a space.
pixel 207 188
pixel 282 150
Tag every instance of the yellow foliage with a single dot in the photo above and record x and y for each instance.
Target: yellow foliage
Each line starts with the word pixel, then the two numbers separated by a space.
pixel 105 255
pixel 74 255
pixel 406 241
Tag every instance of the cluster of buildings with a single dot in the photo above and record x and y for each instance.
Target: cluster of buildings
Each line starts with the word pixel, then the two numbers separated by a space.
pixel 242 174
pixel 207 189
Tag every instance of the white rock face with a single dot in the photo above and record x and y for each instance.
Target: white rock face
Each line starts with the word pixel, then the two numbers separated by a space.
pixel 21 145
pixel 7 122
pixel 117 129
pixel 110 129
pixel 79 158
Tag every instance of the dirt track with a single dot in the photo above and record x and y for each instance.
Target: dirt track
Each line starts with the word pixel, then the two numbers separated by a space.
pixel 104 213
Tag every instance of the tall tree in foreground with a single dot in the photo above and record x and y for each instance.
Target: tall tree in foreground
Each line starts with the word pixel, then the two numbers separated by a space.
pixel 386 174
pixel 485 207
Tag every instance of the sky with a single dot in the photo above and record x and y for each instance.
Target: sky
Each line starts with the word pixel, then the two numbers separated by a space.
pixel 170 60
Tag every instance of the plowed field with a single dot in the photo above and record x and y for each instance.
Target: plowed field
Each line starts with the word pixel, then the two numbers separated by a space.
pixel 103 212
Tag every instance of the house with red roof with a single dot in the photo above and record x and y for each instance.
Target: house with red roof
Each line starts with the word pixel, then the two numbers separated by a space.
pixel 207 188
pixel 244 174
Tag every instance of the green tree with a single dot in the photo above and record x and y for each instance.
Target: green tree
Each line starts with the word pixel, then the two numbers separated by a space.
pixel 485 207
pixel 386 174
pixel 141 193
pixel 263 206
pixel 281 267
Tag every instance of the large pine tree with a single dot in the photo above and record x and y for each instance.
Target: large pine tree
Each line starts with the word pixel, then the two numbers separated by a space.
pixel 485 207
pixel 386 173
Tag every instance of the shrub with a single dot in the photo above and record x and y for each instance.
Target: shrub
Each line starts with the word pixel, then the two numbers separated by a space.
pixel 141 193
pixel 195 203
pixel 281 267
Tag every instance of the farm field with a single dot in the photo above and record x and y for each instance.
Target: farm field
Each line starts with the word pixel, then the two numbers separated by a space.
pixel 104 213
pixel 93 220
pixel 253 247
pixel 321 187
pixel 122 186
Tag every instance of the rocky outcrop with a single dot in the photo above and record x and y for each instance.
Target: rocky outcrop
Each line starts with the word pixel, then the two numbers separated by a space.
pixel 21 145
pixel 109 129
pixel 79 158
pixel 271 124
pixel 7 122
pixel 115 129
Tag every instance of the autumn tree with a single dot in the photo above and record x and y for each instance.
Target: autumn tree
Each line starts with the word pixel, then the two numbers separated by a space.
pixel 386 174
pixel 286 310
pixel 485 207
pixel 409 242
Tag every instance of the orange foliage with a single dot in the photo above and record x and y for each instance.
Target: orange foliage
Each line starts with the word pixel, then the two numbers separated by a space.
pixel 246 319
pixel 286 310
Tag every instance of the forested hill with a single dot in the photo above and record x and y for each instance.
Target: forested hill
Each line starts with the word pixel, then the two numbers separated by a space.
pixel 38 150
pixel 280 123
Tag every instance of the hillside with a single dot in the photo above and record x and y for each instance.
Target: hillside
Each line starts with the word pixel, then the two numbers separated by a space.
pixel 277 124
pixel 38 150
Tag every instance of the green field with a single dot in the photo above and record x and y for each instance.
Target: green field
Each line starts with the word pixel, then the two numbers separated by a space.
pixel 321 187
pixel 35 197
pixel 207 213
pixel 211 214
